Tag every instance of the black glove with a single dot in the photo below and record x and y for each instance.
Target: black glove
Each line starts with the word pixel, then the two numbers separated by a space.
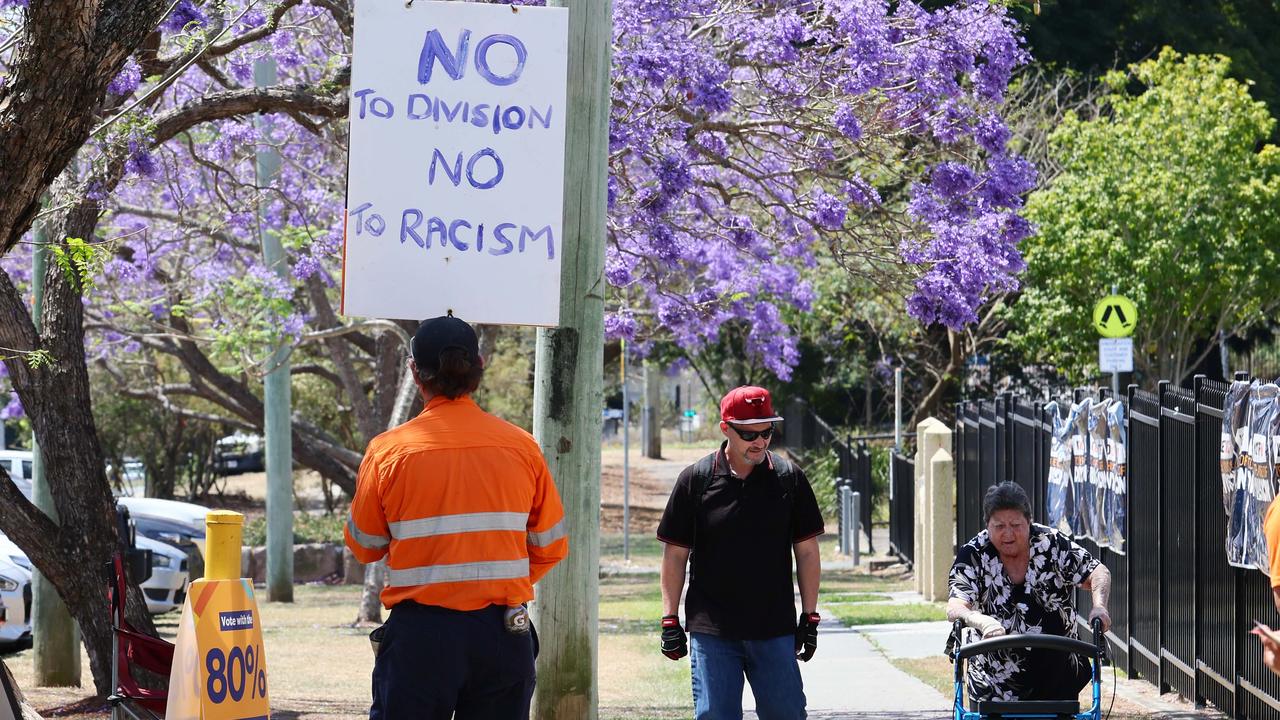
pixel 807 636
pixel 675 644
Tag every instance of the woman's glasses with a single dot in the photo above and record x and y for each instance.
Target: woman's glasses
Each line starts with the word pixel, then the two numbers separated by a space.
pixel 751 435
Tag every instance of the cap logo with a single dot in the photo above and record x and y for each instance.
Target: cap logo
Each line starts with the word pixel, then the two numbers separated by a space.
pixel 754 401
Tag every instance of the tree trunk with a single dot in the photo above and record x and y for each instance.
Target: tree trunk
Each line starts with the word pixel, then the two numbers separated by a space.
pixel 11 695
pixel 946 379
pixel 375 575
pixel 56 398
pixel 653 410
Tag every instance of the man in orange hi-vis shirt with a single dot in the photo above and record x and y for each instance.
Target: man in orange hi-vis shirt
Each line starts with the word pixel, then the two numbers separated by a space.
pixel 465 509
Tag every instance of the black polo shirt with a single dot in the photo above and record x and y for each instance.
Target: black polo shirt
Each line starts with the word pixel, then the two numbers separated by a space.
pixel 740 581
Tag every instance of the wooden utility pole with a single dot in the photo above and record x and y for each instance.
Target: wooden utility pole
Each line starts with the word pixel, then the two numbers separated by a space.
pixel 652 410
pixel 568 396
pixel 277 400
pixel 55 637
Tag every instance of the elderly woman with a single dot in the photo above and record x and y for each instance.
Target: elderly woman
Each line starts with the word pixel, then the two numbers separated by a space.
pixel 1020 577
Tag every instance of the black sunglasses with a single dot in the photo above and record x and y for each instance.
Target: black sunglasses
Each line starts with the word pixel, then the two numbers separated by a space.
pixel 751 435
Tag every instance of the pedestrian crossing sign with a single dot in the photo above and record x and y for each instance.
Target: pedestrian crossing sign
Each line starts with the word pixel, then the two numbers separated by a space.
pixel 1115 316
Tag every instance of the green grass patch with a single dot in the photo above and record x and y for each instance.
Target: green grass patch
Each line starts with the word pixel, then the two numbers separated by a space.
pixel 629 586
pixel 936 672
pixel 641 548
pixel 851 597
pixel 845 581
pixel 632 609
pixel 881 613
pixel 636 681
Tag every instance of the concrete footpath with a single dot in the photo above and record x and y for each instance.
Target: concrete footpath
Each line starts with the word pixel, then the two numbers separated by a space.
pixel 851 677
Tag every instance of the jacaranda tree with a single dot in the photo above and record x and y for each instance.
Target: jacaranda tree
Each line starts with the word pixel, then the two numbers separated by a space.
pixel 748 139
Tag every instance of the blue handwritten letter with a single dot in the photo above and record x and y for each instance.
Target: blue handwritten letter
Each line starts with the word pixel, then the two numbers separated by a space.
pixel 453 62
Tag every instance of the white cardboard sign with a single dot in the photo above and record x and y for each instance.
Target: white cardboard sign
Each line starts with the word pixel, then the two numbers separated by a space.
pixel 455 183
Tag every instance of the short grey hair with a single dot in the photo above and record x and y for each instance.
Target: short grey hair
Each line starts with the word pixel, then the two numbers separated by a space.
pixel 1005 496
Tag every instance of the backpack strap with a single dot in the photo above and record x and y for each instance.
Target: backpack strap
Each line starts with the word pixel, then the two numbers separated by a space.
pixel 786 473
pixel 700 480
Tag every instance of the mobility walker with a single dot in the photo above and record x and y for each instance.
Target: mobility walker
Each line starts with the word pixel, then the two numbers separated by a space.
pixel 1020 709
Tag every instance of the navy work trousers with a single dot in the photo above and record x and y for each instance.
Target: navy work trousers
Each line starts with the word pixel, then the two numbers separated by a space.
pixel 435 662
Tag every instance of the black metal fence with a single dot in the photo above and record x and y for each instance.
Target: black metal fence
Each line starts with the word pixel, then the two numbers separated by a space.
pixel 1180 614
pixel 854 462
pixel 902 507
pixel 809 434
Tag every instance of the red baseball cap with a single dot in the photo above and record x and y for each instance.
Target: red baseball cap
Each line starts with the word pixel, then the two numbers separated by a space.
pixel 747 405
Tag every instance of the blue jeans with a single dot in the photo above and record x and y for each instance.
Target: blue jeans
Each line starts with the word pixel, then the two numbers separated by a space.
pixel 720 665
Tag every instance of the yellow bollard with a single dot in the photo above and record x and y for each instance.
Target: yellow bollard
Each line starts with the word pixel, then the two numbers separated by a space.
pixel 224 530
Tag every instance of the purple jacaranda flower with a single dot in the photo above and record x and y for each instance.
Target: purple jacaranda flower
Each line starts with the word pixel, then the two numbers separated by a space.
pixel 185 13
pixel 128 79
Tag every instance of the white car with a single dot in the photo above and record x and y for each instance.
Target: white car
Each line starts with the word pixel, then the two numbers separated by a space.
pixel 164 590
pixel 18 463
pixel 167 587
pixel 175 510
pixel 15 603
pixel 180 524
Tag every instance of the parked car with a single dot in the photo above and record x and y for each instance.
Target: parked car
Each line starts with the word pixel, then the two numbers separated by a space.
pixel 177 523
pixel 237 453
pixel 18 463
pixel 9 549
pixel 15 599
pixel 166 589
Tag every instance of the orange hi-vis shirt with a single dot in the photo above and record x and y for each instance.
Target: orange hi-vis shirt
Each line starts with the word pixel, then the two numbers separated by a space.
pixel 463 506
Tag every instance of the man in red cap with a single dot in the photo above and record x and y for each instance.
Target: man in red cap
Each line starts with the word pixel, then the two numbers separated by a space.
pixel 742 512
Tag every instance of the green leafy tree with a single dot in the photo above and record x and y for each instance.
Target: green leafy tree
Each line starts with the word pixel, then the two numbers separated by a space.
pixel 1168 194
pixel 1094 37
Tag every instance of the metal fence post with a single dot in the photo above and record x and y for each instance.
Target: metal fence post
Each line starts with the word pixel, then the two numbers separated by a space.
pixel 1128 532
pixel 840 513
pixel 856 504
pixel 846 523
pixel 1162 389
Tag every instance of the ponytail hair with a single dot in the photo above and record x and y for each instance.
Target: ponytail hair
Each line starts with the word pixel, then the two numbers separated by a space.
pixel 457 375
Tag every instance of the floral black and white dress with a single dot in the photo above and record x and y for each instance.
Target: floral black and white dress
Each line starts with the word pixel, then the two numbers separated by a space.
pixel 1042 603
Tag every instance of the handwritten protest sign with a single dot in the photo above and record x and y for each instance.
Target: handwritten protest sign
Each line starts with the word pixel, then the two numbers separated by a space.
pixel 455 181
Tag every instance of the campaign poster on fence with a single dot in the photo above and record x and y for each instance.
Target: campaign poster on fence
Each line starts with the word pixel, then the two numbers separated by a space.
pixel 455 184
pixel 1058 486
pixel 1117 475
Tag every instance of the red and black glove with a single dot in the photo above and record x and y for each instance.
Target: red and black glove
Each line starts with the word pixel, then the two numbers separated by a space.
pixel 675 644
pixel 807 636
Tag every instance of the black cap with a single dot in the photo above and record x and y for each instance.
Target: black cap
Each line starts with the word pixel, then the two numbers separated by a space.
pixel 438 334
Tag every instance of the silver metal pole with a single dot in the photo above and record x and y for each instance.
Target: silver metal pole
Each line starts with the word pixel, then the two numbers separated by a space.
pixel 855 504
pixel 897 426
pixel 897 409
pixel 626 460
pixel 846 503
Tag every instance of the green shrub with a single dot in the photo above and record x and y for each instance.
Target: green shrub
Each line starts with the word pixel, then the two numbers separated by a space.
pixel 821 468
pixel 307 528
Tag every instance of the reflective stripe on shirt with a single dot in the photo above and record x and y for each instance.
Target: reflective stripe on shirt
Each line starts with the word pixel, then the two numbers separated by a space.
pixel 373 542
pixel 548 536
pixel 460 523
pixel 461 572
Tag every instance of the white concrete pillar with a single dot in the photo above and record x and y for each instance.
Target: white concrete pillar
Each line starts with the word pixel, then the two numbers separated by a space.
pixel 927 443
pixel 942 492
